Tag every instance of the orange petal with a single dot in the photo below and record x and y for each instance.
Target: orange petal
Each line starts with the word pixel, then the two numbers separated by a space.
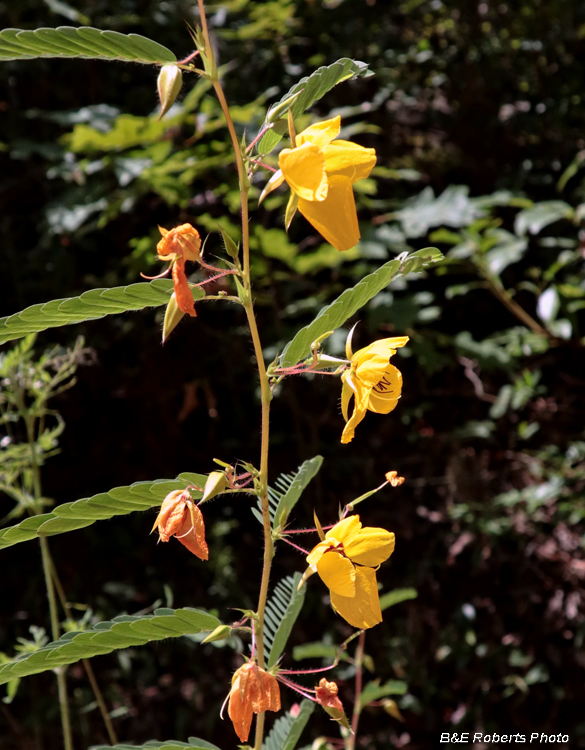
pixel 240 707
pixel 326 695
pixel 171 515
pixel 192 532
pixel 185 301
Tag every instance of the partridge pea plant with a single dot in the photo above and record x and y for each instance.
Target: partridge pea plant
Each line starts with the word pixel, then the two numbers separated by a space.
pixel 320 168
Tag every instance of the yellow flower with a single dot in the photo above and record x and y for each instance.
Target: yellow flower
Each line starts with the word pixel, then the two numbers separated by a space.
pixel 374 383
pixel 347 560
pixel 320 174
pixel 253 692
pixel 179 245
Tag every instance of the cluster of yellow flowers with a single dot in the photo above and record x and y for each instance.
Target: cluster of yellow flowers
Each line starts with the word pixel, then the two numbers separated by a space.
pixel 320 172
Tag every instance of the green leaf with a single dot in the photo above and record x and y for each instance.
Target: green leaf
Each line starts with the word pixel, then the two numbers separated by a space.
pixel 395 597
pixel 194 744
pixel 540 215
pixel 117 502
pixel 91 305
pixel 83 42
pixel 282 610
pixel 317 650
pixel 373 691
pixel 293 486
pixel 312 88
pixel 121 632
pixel 286 731
pixel 351 300
pixel 290 487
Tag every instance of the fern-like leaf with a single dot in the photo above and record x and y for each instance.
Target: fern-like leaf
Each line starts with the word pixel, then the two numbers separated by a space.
pixel 282 610
pixel 91 305
pixel 105 637
pixel 117 502
pixel 83 42
pixel 288 490
pixel 286 731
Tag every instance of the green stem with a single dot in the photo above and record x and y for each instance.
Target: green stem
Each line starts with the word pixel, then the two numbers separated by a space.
pixel 53 611
pixel 500 292
pixel 99 698
pixel 264 380
pixel 357 706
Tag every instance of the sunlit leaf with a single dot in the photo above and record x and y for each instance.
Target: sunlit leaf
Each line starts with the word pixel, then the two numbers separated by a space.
pixel 121 632
pixel 91 305
pixel 312 88
pixel 117 502
pixel 82 42
pixel 396 596
pixel 540 215
pixel 351 300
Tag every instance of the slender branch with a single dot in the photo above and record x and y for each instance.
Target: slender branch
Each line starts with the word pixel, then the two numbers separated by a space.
pixel 46 558
pixel 264 380
pixel 357 706
pixel 499 291
pixel 99 698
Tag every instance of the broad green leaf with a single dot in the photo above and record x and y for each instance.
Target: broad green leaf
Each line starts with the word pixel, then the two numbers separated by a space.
pixel 286 731
pixel 351 300
pixel 453 208
pixel 282 610
pixel 373 691
pixel 317 650
pixel 540 215
pixel 83 42
pixel 91 305
pixel 121 632
pixel 117 502
pixel 312 88
pixel 194 743
pixel 295 488
pixel 395 597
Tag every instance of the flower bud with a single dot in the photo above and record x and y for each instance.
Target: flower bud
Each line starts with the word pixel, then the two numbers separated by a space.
pixel 219 634
pixel 216 483
pixel 326 696
pixel 173 315
pixel 170 80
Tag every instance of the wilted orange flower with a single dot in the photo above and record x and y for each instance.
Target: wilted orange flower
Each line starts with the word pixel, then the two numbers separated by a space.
pixel 253 692
pixel 181 518
pixel 326 695
pixel 393 478
pixel 180 245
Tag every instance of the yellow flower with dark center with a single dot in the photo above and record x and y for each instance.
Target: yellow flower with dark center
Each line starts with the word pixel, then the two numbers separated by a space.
pixel 374 383
pixel 347 560
pixel 320 171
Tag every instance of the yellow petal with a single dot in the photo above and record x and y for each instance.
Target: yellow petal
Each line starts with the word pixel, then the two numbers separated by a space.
pixel 349 160
pixel 274 182
pixel 349 429
pixel 320 134
pixel 304 170
pixel 371 546
pixel 337 573
pixel 363 609
pixel 345 530
pixel 380 350
pixel 317 552
pixel 335 218
pixel 385 394
pixel 346 394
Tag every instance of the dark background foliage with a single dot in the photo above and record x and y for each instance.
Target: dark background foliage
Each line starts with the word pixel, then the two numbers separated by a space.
pixel 489 431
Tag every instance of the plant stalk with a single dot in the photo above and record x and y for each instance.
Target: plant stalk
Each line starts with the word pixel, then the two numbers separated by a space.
pixel 99 698
pixel 53 611
pixel 264 380
pixel 357 706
